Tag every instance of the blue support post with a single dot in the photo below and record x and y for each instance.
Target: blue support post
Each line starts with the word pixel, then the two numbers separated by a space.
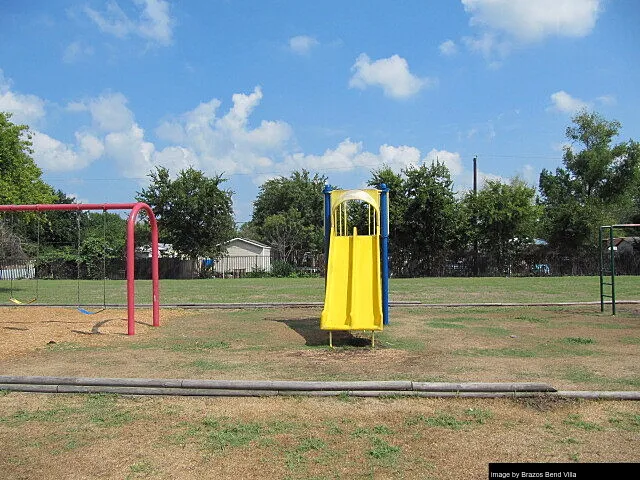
pixel 384 254
pixel 327 228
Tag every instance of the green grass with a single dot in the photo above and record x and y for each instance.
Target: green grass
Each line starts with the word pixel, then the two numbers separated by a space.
pixel 626 421
pixel 246 290
pixel 584 375
pixel 439 324
pixel 382 451
pixel 207 366
pixel 99 409
pixel 197 346
pixel 450 421
pixel 576 421
pixel 558 348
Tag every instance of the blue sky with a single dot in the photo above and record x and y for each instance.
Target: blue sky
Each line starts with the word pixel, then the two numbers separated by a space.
pixel 257 89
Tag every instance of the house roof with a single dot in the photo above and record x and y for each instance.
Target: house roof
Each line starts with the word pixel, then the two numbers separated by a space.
pixel 246 240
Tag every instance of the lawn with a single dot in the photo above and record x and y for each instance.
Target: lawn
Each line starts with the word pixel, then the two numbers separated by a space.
pixel 110 436
pixel 250 290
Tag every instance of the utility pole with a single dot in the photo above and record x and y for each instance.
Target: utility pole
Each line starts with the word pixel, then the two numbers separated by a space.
pixel 475 215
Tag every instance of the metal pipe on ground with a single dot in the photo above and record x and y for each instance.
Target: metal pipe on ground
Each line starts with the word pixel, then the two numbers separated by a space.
pixel 212 392
pixel 259 388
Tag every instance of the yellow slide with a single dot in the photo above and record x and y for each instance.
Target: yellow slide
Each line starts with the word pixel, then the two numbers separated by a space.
pixel 353 297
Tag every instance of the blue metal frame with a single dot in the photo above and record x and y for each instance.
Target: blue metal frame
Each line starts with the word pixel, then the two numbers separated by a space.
pixel 327 228
pixel 384 254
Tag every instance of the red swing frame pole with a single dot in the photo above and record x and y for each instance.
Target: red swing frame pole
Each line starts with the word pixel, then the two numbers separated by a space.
pixel 131 223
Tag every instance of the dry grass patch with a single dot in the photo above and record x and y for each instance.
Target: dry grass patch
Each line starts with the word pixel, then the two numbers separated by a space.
pixel 567 348
pixel 57 436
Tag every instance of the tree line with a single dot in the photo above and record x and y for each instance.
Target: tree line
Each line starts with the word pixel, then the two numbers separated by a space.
pixel 504 227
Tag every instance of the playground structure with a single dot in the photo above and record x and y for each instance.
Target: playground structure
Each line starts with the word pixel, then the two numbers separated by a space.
pixel 130 251
pixel 357 271
pixel 610 269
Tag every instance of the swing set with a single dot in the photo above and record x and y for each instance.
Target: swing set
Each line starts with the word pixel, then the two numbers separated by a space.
pixel 135 209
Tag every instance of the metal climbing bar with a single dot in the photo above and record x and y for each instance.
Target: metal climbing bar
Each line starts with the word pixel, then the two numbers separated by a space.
pixel 611 271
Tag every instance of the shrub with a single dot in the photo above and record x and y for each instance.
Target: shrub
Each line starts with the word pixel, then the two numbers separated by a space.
pixel 282 269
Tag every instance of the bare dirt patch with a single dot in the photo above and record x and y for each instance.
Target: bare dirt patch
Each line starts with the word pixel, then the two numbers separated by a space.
pixel 26 329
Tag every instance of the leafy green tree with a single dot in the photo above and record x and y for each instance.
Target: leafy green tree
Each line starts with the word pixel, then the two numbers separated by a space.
pixel 431 218
pixel 290 211
pixel 397 208
pixel 597 185
pixel 286 233
pixel 20 177
pixel 424 218
pixel 506 220
pixel 20 183
pixel 58 227
pixel 194 213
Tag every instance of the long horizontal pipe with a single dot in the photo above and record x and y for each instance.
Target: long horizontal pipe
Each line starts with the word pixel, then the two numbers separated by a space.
pixel 259 388
pixel 320 304
pixel 223 392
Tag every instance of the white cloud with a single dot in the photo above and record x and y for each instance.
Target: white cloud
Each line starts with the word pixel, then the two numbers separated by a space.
pixel 451 160
pixel 488 45
pixel 26 109
pixel 349 155
pixel 302 44
pixel 448 48
pixel 530 21
pixel 398 157
pixel 109 111
pixel 132 153
pixel 529 174
pixel 391 74
pixel 114 21
pixel 607 100
pixel 76 51
pixel 565 103
pixel 53 155
pixel 227 143
pixel 154 23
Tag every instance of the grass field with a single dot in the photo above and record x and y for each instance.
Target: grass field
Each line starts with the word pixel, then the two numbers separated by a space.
pixel 249 290
pixel 109 436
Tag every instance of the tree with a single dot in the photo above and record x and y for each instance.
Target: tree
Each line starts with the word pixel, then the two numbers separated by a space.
pixel 286 233
pixel 597 185
pixel 506 220
pixel 430 219
pixel 283 203
pixel 194 214
pixel 397 208
pixel 424 218
pixel 20 181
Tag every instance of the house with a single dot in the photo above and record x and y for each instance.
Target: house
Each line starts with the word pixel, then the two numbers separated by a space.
pixel 243 256
pixel 624 245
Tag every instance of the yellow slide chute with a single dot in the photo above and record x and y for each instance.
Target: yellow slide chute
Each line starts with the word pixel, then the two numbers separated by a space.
pixel 353 295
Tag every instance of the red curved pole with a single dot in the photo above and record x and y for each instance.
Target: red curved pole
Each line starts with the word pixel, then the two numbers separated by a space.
pixel 131 223
pixel 131 296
